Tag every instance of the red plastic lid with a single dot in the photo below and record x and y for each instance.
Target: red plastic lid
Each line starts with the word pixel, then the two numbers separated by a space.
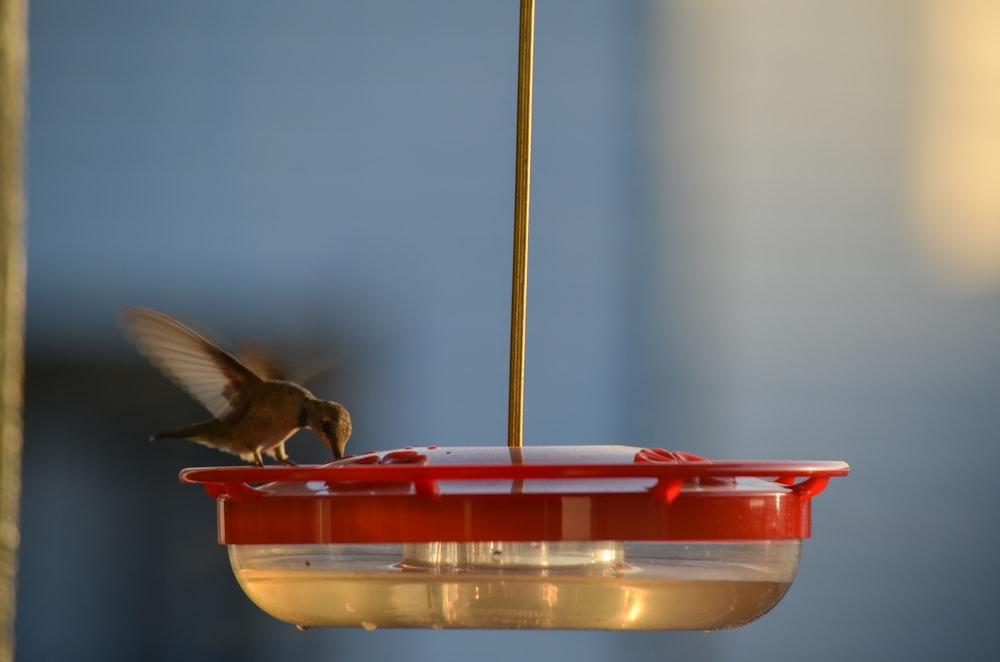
pixel 543 493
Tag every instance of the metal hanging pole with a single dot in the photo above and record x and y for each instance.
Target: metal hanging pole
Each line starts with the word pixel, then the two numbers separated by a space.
pixel 522 194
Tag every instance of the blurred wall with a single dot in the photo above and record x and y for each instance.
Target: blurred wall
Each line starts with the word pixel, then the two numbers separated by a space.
pixel 760 229
pixel 828 208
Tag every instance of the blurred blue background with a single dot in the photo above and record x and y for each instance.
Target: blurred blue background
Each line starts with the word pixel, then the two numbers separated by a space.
pixel 761 229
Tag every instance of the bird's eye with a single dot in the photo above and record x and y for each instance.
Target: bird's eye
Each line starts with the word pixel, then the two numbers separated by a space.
pixel 327 429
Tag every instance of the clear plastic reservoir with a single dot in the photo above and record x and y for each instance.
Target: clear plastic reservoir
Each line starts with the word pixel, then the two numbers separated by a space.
pixel 598 585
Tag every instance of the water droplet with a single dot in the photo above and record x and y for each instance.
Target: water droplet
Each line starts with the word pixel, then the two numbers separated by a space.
pixel 368 625
pixel 348 607
pixel 303 628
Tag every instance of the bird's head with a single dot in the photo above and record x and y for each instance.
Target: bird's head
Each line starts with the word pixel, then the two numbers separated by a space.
pixel 332 423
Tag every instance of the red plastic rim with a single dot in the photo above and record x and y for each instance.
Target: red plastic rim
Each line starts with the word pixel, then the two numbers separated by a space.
pixel 473 494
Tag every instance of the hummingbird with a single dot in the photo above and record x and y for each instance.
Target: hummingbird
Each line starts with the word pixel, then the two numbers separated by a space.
pixel 254 411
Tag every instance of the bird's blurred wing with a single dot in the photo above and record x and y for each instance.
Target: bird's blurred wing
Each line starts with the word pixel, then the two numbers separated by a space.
pixel 212 376
pixel 292 366
pixel 261 361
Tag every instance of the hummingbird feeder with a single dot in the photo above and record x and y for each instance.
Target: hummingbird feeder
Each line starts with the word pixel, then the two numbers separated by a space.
pixel 571 537
pixel 547 537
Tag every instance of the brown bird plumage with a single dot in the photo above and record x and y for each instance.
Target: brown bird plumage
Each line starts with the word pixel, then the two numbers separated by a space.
pixel 253 414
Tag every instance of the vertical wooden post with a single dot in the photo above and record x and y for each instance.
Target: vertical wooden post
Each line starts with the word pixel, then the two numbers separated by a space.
pixel 13 72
